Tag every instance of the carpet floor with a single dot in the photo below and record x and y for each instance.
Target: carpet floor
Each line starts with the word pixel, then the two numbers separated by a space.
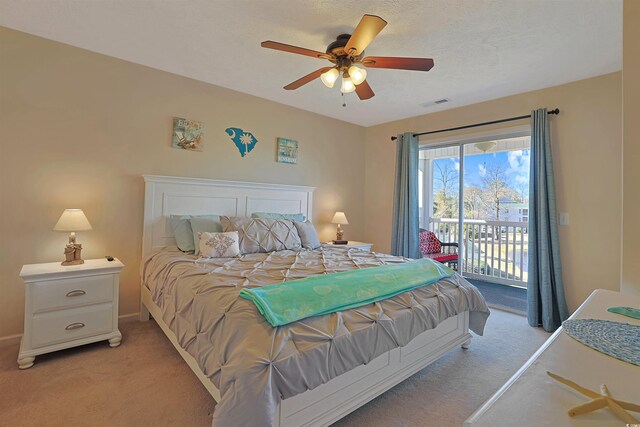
pixel 144 382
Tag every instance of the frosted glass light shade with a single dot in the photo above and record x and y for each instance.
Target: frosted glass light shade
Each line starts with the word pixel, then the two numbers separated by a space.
pixel 357 74
pixel 485 146
pixel 347 85
pixel 329 78
pixel 72 220
pixel 340 218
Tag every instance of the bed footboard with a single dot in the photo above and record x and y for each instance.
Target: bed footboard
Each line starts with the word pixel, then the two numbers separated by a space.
pixel 333 400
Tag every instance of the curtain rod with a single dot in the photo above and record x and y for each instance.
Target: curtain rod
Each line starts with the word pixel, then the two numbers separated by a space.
pixel 510 119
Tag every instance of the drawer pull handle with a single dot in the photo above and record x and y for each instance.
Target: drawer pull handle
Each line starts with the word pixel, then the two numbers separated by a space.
pixel 76 293
pixel 74 326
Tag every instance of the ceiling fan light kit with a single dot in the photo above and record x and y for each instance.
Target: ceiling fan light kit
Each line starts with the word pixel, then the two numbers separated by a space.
pixel 329 77
pixel 347 84
pixel 358 75
pixel 347 51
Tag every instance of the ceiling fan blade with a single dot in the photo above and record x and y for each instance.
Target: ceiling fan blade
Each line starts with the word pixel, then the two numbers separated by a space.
pixel 295 49
pixel 417 64
pixel 364 91
pixel 306 79
pixel 365 32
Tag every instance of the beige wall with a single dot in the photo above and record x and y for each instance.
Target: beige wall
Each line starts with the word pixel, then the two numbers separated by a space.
pixel 587 150
pixel 78 129
pixel 631 150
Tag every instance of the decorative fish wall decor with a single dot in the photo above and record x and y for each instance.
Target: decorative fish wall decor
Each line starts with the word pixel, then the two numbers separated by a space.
pixel 244 141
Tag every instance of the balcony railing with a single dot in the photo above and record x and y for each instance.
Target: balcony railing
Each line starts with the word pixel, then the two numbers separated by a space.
pixel 496 251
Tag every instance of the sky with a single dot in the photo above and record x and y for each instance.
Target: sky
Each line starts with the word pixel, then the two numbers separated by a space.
pixel 515 163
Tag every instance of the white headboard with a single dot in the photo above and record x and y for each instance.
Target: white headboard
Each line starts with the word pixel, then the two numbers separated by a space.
pixel 167 195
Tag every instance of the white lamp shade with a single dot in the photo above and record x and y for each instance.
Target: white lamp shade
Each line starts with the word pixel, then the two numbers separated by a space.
pixel 72 220
pixel 329 78
pixel 347 85
pixel 340 218
pixel 357 74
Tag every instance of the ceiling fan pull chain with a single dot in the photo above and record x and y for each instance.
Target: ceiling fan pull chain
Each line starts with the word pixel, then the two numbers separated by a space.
pixel 344 103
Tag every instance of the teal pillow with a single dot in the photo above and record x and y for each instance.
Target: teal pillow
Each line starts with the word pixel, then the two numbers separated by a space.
pixel 182 231
pixel 274 215
pixel 208 223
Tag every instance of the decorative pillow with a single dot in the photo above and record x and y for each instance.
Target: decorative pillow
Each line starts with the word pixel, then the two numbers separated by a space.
pixel 186 241
pixel 263 235
pixel 274 215
pixel 429 243
pixel 209 224
pixel 219 245
pixel 308 234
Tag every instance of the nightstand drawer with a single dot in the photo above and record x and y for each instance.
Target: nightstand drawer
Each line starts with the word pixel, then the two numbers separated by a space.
pixel 68 325
pixel 73 292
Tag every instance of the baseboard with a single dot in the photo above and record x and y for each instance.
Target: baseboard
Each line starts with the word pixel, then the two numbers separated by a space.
pixel 126 318
pixel 15 339
pixel 10 340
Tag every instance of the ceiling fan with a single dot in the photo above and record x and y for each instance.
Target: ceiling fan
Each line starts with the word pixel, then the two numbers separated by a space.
pixel 345 53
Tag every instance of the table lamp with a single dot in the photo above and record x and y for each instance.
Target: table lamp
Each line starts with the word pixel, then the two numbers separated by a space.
pixel 340 218
pixel 72 220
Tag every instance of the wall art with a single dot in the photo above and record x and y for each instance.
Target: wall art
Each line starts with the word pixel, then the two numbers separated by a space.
pixel 187 134
pixel 287 151
pixel 244 141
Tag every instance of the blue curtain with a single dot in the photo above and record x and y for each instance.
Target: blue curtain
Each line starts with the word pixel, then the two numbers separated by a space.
pixel 547 306
pixel 404 238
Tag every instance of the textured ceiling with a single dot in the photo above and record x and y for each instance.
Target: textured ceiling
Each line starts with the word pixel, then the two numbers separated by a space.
pixel 482 49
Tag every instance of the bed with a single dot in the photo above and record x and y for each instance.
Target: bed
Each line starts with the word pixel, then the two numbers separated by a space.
pixel 311 372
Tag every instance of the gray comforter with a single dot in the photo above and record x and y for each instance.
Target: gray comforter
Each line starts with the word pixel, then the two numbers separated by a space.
pixel 255 365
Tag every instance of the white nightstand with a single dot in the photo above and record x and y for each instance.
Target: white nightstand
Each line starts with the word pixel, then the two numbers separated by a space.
pixel 353 244
pixel 67 306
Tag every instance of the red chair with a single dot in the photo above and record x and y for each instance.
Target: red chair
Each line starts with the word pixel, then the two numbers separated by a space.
pixel 432 247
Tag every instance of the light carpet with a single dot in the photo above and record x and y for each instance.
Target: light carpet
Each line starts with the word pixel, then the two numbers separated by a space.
pixel 144 382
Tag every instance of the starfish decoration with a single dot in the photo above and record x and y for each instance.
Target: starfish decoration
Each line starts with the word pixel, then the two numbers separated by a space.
pixel 600 400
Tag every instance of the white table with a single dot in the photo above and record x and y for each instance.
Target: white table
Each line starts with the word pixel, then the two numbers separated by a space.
pixel 531 398
pixel 67 306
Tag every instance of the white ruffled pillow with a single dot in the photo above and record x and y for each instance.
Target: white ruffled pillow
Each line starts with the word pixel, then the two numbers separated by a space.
pixel 219 245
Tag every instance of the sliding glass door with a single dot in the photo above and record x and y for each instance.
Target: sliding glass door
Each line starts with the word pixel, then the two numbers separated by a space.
pixel 476 194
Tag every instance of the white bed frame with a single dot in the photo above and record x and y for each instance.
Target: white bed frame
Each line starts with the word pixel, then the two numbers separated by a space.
pixel 333 400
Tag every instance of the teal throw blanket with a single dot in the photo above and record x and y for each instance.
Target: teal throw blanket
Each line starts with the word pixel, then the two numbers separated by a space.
pixel 287 302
